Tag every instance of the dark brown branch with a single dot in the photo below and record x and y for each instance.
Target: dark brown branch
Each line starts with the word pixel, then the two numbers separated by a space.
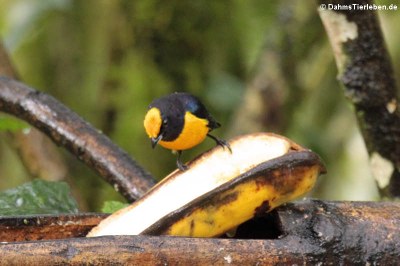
pixel 366 74
pixel 306 233
pixel 67 129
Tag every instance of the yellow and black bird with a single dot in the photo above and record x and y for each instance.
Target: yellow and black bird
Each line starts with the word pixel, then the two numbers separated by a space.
pixel 178 122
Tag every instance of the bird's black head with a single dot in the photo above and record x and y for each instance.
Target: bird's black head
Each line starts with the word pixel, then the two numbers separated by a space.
pixel 164 119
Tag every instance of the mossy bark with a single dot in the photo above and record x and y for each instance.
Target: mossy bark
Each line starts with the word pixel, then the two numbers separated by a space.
pixel 367 77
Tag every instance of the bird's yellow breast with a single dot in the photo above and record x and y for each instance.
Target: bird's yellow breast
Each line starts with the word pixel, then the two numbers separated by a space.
pixel 193 133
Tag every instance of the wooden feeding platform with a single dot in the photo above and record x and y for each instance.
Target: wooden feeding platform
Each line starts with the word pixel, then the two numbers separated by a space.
pixel 308 232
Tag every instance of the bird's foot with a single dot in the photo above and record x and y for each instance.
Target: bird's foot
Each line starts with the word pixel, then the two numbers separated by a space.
pixel 183 167
pixel 223 143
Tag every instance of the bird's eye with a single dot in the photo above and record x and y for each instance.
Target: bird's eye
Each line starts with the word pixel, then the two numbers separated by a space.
pixel 165 122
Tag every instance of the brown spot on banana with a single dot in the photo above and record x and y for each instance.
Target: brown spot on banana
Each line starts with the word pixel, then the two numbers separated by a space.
pixel 263 208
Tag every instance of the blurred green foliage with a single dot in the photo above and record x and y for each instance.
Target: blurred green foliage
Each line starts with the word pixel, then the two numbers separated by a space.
pixel 38 197
pixel 107 60
pixel 8 123
pixel 113 206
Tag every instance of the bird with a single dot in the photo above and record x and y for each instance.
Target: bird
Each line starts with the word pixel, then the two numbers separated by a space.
pixel 180 121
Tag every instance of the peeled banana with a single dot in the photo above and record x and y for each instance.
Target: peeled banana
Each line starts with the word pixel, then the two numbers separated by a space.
pixel 220 190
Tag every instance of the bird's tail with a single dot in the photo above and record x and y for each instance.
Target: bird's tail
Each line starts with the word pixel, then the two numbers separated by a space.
pixel 212 123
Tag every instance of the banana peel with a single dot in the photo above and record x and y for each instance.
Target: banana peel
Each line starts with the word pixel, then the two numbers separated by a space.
pixel 220 190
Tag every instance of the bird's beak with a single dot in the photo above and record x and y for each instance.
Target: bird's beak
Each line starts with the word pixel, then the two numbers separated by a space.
pixel 154 141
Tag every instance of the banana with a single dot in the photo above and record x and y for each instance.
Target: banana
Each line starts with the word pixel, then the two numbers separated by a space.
pixel 253 193
pixel 220 190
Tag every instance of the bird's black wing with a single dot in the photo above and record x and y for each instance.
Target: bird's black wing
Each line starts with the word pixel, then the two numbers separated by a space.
pixel 193 105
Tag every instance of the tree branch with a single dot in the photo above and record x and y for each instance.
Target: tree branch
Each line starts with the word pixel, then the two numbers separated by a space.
pixel 67 129
pixel 304 233
pixel 366 74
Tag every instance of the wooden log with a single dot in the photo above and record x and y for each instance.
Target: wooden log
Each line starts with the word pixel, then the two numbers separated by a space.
pixel 38 227
pixel 309 232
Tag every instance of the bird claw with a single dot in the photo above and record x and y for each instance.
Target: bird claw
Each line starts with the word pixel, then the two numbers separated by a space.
pixel 183 167
pixel 223 143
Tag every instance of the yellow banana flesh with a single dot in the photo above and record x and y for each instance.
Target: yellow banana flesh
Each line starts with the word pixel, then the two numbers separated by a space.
pixel 220 190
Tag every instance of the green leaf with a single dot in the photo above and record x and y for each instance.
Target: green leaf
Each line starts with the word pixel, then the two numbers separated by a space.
pixel 11 124
pixel 38 197
pixel 113 206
